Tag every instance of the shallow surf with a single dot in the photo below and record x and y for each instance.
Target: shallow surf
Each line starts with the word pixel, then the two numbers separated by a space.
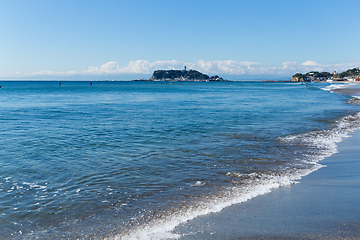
pixel 130 160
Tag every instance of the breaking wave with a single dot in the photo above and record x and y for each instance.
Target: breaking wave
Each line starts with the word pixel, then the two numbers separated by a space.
pixel 333 87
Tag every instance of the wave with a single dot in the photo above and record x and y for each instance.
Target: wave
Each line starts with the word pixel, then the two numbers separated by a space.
pixel 337 86
pixel 315 146
pixel 350 89
pixel 333 87
pixel 162 228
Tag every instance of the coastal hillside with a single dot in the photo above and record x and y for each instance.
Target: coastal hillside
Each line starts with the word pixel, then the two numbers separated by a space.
pixel 314 76
pixel 182 75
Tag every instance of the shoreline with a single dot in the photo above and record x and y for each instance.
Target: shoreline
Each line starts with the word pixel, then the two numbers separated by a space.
pixel 323 205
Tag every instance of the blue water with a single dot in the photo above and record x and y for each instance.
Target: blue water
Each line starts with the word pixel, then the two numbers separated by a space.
pixel 81 161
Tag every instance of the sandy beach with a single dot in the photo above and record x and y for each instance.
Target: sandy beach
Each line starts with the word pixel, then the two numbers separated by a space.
pixel 323 205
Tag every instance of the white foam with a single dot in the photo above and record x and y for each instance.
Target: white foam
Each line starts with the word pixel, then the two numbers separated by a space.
pixel 198 184
pixel 34 185
pixel 325 141
pixel 333 87
pixel 258 185
pixel 357 97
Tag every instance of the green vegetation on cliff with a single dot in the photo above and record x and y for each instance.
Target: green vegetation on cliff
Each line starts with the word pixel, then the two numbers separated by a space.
pixel 321 76
pixel 178 74
pixel 313 74
pixel 182 75
pixel 349 73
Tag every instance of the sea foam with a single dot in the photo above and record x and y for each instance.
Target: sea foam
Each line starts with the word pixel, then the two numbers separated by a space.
pixel 333 87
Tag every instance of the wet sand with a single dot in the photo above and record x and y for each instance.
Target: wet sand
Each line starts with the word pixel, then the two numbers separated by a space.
pixel 323 205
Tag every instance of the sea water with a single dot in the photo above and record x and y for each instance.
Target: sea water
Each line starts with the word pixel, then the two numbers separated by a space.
pixel 133 160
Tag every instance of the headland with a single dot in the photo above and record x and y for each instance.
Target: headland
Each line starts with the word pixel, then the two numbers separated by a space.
pixel 350 75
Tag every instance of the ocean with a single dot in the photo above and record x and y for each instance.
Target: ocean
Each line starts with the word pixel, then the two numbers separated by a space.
pixel 133 160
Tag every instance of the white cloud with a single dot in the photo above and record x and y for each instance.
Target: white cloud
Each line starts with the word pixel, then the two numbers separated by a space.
pixel 139 66
pixel 209 67
pixel 310 63
pixel 228 67
pixel 313 66
pixel 49 73
pixel 106 68
pixel 289 65
pixel 225 67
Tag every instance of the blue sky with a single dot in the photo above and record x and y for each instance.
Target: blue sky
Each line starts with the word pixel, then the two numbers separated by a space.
pixel 130 39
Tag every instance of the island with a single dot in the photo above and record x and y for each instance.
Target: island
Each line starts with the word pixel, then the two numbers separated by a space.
pixel 350 75
pixel 182 75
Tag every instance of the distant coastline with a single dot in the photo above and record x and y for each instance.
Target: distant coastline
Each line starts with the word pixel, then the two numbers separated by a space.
pixel 350 75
